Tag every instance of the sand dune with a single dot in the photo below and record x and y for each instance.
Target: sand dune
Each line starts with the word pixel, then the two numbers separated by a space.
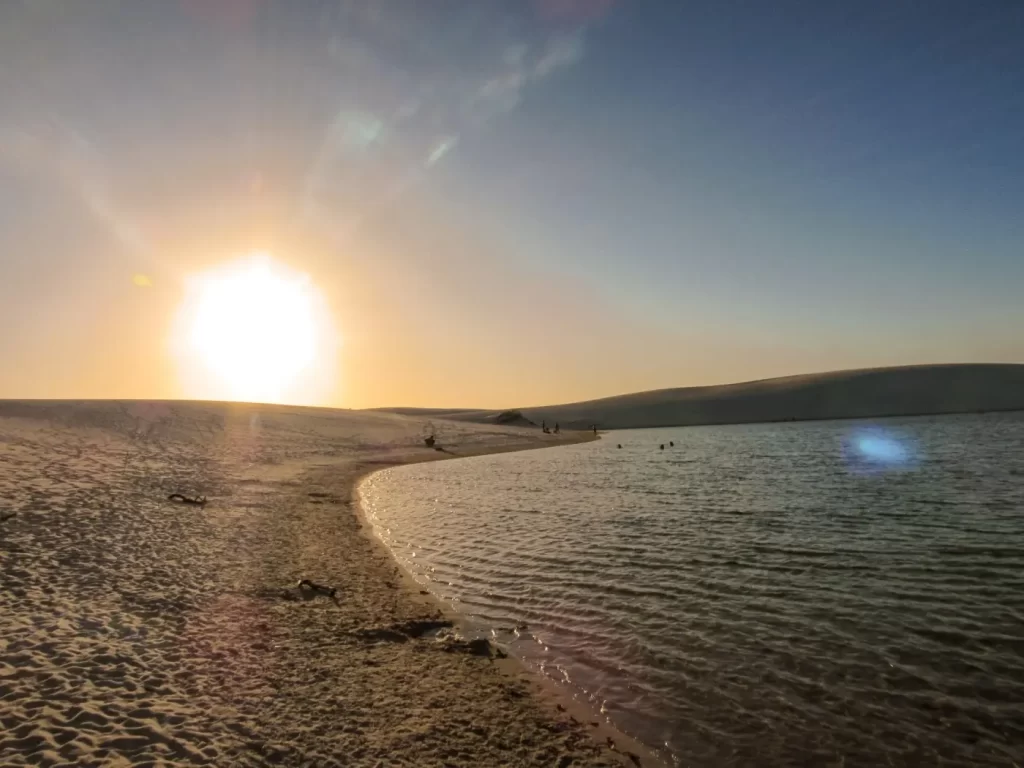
pixel 865 393
pixel 136 630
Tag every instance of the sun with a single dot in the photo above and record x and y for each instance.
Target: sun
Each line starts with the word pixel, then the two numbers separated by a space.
pixel 253 330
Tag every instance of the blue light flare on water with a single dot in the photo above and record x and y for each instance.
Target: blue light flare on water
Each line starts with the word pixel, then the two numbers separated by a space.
pixel 874 449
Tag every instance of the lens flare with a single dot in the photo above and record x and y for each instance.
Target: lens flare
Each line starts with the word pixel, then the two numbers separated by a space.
pixel 874 449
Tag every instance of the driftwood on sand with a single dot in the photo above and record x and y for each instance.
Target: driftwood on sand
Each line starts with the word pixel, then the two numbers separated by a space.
pixel 207 651
pixel 198 501
pixel 307 584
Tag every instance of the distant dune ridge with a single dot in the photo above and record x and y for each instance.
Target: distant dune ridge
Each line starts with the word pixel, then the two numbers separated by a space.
pixel 862 393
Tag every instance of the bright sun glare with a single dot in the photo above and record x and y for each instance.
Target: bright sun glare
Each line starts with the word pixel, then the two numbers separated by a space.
pixel 255 331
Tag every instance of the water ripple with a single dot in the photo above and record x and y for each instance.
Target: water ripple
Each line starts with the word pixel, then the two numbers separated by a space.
pixel 754 596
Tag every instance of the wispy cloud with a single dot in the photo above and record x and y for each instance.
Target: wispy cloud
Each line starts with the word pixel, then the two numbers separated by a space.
pixel 416 83
pixel 525 66
pixel 561 52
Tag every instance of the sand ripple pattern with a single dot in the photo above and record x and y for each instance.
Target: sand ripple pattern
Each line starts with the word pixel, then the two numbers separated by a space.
pixel 139 632
pixel 756 595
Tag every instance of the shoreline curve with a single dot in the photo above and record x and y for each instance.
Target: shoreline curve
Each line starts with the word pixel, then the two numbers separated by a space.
pixel 266 626
pixel 554 697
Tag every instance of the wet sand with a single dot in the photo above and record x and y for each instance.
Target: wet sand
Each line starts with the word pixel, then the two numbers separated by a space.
pixel 137 630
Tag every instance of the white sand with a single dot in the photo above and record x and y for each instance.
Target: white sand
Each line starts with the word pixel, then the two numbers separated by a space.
pixel 134 630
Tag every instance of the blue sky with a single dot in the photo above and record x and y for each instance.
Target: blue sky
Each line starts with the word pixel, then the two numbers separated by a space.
pixel 793 159
pixel 629 195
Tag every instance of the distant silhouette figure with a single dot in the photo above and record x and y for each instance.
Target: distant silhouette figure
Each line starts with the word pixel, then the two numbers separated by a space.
pixel 556 427
pixel 429 441
pixel 619 445
pixel 662 447
pixel 671 444
pixel 595 429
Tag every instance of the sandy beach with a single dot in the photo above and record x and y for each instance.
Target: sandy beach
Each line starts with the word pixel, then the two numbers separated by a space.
pixel 137 630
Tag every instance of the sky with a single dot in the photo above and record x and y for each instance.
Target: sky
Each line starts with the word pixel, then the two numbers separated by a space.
pixel 512 203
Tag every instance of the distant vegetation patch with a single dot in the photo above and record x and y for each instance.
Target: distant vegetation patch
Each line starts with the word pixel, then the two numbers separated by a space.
pixel 513 418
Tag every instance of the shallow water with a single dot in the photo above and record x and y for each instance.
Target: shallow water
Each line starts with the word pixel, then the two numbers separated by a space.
pixel 796 594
